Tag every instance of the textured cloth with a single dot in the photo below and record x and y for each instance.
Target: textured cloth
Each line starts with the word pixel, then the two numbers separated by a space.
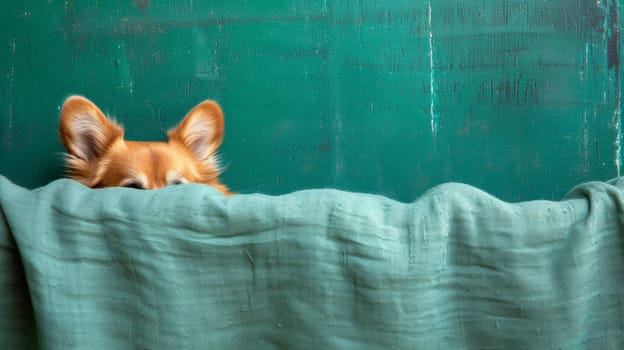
pixel 186 268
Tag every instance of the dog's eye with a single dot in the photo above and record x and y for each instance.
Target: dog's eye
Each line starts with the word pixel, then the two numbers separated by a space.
pixel 134 185
pixel 179 181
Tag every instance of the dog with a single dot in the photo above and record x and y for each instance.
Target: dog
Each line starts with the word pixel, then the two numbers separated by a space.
pixel 98 156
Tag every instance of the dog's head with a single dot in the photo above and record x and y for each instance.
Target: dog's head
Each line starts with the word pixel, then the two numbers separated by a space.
pixel 98 155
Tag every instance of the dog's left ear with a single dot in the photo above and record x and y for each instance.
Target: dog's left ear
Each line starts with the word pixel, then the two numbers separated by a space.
pixel 201 131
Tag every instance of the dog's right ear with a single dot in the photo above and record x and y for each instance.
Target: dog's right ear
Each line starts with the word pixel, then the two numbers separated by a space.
pixel 85 131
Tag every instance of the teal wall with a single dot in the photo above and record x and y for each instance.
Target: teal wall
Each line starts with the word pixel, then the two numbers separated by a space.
pixel 518 97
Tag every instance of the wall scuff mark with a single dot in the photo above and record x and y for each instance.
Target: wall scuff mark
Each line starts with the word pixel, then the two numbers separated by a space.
pixel 612 27
pixel 432 112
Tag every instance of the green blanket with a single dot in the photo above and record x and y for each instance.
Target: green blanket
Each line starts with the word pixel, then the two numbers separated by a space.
pixel 186 268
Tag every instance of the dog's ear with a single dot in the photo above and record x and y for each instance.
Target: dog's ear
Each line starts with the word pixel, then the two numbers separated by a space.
pixel 201 131
pixel 85 131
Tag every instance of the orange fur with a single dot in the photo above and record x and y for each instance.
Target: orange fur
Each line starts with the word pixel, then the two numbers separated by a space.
pixel 98 155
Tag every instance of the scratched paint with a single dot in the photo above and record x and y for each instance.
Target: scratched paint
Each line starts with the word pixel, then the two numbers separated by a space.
pixel 612 28
pixel 432 87
pixel 519 97
pixel 126 82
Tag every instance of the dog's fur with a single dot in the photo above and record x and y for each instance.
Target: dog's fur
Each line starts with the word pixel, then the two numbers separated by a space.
pixel 98 156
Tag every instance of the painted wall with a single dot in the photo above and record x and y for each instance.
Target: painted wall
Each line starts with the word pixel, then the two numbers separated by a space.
pixel 518 97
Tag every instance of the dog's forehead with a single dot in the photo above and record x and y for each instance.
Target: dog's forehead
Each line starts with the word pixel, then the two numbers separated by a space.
pixel 152 152
pixel 152 164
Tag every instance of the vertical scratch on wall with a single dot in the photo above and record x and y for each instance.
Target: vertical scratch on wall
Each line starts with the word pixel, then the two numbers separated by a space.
pixel 617 117
pixel 361 22
pixel 432 112
pixel 334 109
pixel 8 138
pixel 611 38
pixel 338 159
pixel 10 125
pixel 586 62
pixel 612 29
pixel 586 76
pixel 125 77
pixel 585 144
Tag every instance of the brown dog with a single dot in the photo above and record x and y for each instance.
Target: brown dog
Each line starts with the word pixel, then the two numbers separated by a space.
pixel 98 155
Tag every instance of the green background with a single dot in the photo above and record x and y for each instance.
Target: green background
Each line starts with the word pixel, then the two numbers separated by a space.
pixel 519 98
